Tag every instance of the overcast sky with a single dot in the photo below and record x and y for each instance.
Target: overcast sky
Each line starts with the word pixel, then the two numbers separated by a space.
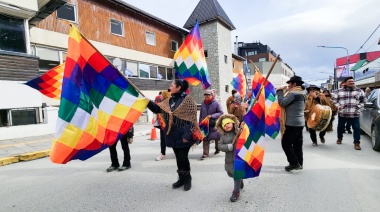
pixel 291 28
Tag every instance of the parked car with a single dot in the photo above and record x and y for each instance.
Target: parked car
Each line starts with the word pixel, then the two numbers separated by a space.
pixel 370 118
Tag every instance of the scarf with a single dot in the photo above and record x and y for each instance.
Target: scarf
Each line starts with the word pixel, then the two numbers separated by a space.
pixel 208 101
pixel 187 111
pixel 297 89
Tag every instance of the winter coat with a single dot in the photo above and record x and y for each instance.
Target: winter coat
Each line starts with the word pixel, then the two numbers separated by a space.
pixel 226 139
pixel 181 129
pixel 238 110
pixel 229 101
pixel 215 110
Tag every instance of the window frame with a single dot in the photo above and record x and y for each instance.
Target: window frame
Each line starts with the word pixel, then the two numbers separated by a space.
pixel 146 38
pixel 122 27
pixel 171 42
pixel 75 14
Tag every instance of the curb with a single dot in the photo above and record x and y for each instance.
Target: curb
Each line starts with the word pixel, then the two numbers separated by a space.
pixel 44 153
pixel 24 157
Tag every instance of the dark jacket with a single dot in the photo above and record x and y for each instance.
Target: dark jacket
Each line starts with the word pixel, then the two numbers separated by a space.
pixel 181 129
pixel 215 110
pixel 127 135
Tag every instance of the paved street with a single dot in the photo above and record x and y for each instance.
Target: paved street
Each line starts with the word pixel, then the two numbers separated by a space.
pixel 335 178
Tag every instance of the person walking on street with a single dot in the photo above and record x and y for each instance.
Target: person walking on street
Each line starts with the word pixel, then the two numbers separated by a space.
pixel 237 108
pixel 292 120
pixel 211 109
pixel 230 100
pixel 349 100
pixel 228 127
pixel 180 115
pixel 333 110
pixel 313 99
pixel 125 141
pixel 164 94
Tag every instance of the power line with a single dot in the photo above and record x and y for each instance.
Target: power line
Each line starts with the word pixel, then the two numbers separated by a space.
pixel 367 39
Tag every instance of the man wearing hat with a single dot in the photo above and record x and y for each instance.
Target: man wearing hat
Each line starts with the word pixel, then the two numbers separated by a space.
pixel 349 100
pixel 315 97
pixel 292 121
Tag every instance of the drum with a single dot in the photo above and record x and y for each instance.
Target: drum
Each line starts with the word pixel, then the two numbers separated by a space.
pixel 319 117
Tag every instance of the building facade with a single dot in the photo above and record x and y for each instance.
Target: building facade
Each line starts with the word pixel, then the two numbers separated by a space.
pixel 263 57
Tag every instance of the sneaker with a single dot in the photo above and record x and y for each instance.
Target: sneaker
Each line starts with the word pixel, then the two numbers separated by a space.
pixel 314 144
pixel 204 157
pixel 112 168
pixel 235 196
pixel 322 140
pixel 123 168
pixel 339 141
pixel 293 167
pixel 357 146
pixel 216 152
pixel 161 157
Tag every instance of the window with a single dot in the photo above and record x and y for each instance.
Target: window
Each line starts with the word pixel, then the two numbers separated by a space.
pixel 233 64
pixel 150 38
pixel 48 58
pixel 131 70
pixel 169 74
pixel 205 52
pixel 262 59
pixel 174 45
pixel 12 34
pixel 226 88
pixel 153 72
pixel 144 70
pixel 117 27
pixel 67 12
pixel 161 73
pixel 225 59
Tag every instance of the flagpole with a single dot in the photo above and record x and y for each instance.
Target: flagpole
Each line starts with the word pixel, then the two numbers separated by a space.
pixel 265 81
pixel 133 85
pixel 254 66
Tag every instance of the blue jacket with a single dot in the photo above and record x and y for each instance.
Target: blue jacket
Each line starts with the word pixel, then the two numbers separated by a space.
pixel 181 129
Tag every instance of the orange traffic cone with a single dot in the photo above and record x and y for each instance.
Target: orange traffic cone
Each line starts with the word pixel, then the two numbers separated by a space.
pixel 153 133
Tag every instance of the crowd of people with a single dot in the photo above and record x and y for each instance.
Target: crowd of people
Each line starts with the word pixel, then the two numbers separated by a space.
pixel 179 130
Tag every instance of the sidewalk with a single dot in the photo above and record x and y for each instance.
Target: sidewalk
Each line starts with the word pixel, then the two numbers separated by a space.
pixel 30 148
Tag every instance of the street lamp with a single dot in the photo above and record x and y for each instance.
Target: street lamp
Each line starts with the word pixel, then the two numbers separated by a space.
pixel 347 62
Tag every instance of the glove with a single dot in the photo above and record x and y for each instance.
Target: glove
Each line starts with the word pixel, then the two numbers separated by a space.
pixel 230 147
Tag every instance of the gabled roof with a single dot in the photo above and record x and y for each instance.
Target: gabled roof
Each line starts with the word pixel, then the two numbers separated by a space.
pixel 208 10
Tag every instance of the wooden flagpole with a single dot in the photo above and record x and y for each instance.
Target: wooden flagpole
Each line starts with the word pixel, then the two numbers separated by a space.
pixel 256 69
pixel 133 85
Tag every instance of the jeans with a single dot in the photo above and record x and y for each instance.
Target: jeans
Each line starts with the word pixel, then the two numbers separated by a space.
pixel 354 122
pixel 292 142
pixel 127 156
pixel 182 158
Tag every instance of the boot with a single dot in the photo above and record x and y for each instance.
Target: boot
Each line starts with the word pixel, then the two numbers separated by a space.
pixel 187 179
pixel 235 196
pixel 180 181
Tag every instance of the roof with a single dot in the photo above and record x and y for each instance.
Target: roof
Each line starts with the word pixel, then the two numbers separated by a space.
pixel 208 10
pixel 143 13
pixel 237 57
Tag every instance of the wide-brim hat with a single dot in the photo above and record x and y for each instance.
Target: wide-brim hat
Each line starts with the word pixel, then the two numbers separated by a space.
pixel 312 86
pixel 295 79
pixel 208 92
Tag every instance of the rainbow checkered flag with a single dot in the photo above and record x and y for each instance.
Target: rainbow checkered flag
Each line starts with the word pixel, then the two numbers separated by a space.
pixel 261 119
pixel 240 84
pixel 204 126
pixel 50 83
pixel 98 105
pixel 190 62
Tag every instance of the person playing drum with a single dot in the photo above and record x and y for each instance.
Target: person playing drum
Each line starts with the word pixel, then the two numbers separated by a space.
pixel 314 98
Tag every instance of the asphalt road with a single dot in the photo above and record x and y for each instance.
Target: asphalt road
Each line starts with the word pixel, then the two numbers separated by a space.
pixel 335 178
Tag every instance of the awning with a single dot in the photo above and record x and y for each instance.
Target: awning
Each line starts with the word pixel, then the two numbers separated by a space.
pixel 358 65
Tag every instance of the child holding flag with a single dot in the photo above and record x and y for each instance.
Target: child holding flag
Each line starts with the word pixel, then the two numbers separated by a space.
pixel 227 126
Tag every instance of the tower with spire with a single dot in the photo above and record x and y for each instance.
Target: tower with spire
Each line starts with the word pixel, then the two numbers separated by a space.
pixel 215 28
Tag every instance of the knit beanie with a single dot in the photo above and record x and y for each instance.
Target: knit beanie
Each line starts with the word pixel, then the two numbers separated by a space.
pixel 226 121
